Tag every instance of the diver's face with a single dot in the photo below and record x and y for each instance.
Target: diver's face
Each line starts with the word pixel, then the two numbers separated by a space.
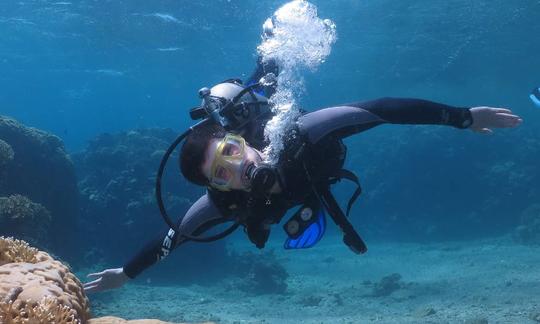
pixel 227 162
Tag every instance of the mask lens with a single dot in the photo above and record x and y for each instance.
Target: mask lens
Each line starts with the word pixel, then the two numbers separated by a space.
pixel 221 176
pixel 232 148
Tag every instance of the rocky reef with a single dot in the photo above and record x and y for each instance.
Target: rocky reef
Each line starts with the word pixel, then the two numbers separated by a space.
pixel 6 153
pixel 30 221
pixel 116 181
pixel 34 164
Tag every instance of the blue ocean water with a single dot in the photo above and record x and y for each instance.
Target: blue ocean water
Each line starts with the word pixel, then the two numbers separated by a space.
pixel 79 69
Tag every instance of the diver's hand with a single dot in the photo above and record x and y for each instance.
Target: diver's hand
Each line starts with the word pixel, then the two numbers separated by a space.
pixel 486 118
pixel 105 280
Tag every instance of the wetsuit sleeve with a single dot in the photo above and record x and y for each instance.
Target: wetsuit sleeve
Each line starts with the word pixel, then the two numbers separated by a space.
pixel 349 119
pixel 202 215
pixel 261 70
pixel 417 111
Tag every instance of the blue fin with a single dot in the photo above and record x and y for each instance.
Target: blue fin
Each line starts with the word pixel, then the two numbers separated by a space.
pixel 535 97
pixel 311 235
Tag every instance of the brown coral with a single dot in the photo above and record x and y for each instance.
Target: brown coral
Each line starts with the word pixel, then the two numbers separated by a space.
pixel 35 288
pixel 13 251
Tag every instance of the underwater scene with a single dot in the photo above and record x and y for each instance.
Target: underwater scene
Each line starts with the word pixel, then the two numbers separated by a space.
pixel 235 161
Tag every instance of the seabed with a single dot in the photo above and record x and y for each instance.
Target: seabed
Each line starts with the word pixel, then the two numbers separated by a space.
pixel 488 281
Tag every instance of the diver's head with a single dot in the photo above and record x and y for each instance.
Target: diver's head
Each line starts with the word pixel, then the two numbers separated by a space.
pixel 212 157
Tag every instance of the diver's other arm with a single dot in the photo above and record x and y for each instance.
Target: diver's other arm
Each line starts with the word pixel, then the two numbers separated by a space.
pixel 353 118
pixel 349 119
pixel 424 112
pixel 200 214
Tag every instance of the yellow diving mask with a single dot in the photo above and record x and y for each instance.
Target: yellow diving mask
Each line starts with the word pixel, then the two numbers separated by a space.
pixel 228 160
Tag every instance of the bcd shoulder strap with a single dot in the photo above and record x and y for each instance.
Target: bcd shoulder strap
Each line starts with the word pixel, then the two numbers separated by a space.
pixel 349 175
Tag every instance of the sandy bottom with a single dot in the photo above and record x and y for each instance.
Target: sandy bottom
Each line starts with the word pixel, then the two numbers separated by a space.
pixel 495 281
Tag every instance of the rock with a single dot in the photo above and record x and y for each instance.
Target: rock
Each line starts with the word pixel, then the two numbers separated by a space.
pixel 260 274
pixel 35 288
pixel 535 317
pixel 42 171
pixel 311 301
pixel 387 285
pixel 424 312
pixel 477 320
pixel 338 300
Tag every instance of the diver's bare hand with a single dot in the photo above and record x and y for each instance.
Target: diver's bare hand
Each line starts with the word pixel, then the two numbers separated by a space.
pixel 105 280
pixel 486 118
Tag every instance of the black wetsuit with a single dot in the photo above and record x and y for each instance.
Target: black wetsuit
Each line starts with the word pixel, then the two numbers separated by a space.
pixel 323 131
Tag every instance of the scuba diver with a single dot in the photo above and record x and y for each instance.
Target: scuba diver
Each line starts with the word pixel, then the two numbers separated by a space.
pixel 224 153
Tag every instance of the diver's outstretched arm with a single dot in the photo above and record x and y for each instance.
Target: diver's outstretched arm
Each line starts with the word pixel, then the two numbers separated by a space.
pixel 199 217
pixel 424 112
pixel 353 118
pixel 417 112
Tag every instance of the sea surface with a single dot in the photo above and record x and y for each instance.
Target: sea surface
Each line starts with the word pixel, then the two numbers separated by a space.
pixel 453 216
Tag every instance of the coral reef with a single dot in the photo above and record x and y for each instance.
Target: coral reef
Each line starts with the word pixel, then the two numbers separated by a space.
pixel 35 288
pixel 528 231
pixel 41 171
pixel 21 217
pixel 261 273
pixel 15 251
pixel 117 177
pixel 6 153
